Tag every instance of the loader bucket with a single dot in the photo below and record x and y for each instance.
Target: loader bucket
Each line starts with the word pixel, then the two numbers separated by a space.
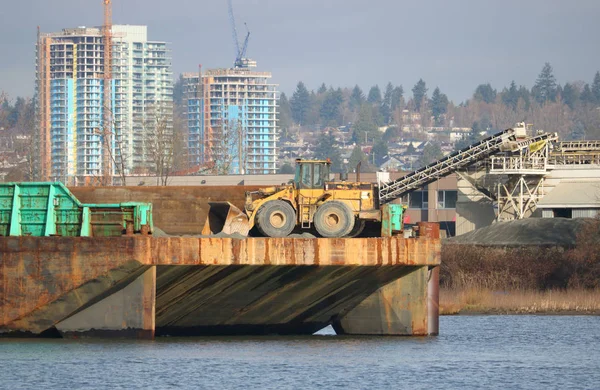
pixel 223 217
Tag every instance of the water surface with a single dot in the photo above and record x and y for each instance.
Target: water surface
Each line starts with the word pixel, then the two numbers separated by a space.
pixel 495 352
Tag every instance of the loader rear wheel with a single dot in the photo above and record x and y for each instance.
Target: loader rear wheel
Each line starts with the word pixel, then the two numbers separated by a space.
pixel 334 219
pixel 359 226
pixel 275 218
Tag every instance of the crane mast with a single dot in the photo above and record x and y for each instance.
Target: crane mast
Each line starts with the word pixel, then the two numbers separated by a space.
pixel 240 51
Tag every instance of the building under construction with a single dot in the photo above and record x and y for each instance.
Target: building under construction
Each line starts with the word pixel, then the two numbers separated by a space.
pixel 79 142
pixel 232 120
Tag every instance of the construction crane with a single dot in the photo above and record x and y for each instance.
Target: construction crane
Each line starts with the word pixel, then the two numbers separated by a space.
pixel 240 51
pixel 106 109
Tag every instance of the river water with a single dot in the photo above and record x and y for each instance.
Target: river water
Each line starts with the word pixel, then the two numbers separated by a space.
pixel 491 352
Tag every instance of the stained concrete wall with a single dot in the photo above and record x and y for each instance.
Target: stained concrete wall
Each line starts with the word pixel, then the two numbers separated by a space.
pixel 203 285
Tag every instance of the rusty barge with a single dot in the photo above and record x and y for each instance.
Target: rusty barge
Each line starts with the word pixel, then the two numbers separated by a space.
pixel 134 284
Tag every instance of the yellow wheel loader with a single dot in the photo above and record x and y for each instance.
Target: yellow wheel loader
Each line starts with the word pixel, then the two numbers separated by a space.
pixel 335 209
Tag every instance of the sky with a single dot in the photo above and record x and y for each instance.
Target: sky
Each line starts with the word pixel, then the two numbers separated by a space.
pixel 454 45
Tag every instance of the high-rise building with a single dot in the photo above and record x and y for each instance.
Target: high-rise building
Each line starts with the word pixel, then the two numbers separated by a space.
pixel 232 120
pixel 69 94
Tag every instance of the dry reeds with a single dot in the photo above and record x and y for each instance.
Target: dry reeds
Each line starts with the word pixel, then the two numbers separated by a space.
pixel 485 301
pixel 523 279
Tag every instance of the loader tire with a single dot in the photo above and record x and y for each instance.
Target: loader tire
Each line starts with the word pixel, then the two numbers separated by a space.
pixel 334 219
pixel 275 218
pixel 359 226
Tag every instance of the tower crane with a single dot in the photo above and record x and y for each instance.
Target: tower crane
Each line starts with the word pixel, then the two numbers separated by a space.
pixel 240 51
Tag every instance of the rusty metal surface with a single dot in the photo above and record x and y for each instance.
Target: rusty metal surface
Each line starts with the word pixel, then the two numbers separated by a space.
pixel 176 209
pixel 296 283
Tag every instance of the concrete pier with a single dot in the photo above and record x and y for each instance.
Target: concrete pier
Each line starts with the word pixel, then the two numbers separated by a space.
pixel 143 286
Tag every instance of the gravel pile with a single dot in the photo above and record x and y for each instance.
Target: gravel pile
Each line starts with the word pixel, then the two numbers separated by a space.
pixel 531 231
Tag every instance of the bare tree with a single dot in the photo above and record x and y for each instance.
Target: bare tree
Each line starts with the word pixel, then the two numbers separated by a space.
pixel 228 146
pixel 159 141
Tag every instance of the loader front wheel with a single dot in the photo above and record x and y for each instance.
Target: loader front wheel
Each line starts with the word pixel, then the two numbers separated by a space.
pixel 276 218
pixel 334 219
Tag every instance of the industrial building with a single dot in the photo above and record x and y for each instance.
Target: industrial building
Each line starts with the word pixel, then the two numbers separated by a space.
pixel 75 145
pixel 232 120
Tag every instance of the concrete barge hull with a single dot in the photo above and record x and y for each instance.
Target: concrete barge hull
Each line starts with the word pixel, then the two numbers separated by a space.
pixel 143 286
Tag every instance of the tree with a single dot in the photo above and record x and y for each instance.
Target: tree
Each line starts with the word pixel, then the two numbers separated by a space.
pixel 510 96
pixel 525 95
pixel 356 156
pixel 374 96
pixel 432 151
pixel 287 169
pixel 178 91
pixel 586 95
pixel 397 95
pixel 485 93
pixel 439 106
pixel 331 105
pixel 391 133
pixel 365 125
pixel 470 138
pixel 159 142
pixel 357 98
pixel 596 88
pixel 285 114
pixel 544 89
pixel 379 152
pixel 327 149
pixel 419 94
pixel 570 94
pixel 322 89
pixel 386 105
pixel 300 103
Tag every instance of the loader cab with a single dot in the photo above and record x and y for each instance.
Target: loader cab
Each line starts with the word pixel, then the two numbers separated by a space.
pixel 311 174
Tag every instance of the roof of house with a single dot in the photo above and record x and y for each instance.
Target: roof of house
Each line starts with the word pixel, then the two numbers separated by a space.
pixel 572 194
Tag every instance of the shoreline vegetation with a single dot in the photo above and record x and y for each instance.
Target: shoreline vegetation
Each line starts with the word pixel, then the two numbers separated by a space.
pixel 477 279
pixel 485 301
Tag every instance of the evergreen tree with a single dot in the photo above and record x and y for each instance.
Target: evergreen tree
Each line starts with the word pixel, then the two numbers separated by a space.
pixel 544 89
pixel 378 152
pixel 397 94
pixel 300 104
pixel 285 113
pixel 327 148
pixel 178 91
pixel 432 151
pixel 386 105
pixel 357 98
pixel 365 126
pixel 439 106
pixel 570 94
pixel 287 169
pixel 374 96
pixel 470 138
pixel 485 93
pixel 356 156
pixel 419 94
pixel 510 96
pixel 322 89
pixel 596 88
pixel 526 96
pixel 586 94
pixel 331 105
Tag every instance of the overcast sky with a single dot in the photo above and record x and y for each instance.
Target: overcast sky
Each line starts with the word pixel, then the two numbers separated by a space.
pixel 455 45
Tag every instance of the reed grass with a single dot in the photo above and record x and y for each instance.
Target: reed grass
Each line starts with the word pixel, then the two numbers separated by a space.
pixel 519 301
